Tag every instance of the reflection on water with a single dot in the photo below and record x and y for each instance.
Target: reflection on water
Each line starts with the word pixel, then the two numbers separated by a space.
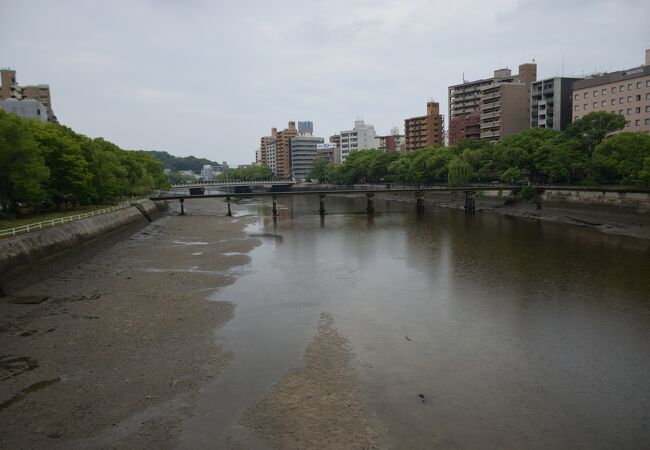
pixel 521 334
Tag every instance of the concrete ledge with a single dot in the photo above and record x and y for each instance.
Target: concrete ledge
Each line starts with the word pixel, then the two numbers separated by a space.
pixel 26 248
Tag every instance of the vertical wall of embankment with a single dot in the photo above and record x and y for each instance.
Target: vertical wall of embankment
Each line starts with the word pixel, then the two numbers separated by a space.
pixel 27 248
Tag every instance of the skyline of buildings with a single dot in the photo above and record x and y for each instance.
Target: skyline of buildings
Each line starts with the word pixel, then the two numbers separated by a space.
pixel 14 94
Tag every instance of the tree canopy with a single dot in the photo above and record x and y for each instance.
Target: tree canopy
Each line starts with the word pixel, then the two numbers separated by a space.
pixel 44 164
pixel 585 153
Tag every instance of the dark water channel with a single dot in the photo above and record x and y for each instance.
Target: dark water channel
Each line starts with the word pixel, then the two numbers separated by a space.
pixel 521 334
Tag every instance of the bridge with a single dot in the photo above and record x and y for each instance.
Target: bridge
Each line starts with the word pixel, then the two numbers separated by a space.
pixel 418 191
pixel 236 183
pixel 369 192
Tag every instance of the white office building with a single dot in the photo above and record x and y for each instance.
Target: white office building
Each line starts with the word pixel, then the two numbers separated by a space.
pixel 272 156
pixel 360 138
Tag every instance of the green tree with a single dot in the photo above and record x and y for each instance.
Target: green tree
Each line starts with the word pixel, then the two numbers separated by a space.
pixel 22 168
pixel 69 179
pixel 621 157
pixel 591 129
pixel 512 175
pixel 645 173
pixel 460 171
pixel 319 169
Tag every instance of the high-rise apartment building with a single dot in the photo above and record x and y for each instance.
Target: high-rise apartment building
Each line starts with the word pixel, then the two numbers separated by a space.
pixel 465 100
pixel 303 153
pixel 264 143
pixel 551 103
pixel 626 92
pixel 360 138
pixel 505 107
pixel 424 131
pixel 283 150
pixel 10 89
pixel 467 126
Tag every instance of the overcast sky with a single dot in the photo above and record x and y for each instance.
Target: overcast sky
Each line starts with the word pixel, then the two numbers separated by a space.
pixel 209 78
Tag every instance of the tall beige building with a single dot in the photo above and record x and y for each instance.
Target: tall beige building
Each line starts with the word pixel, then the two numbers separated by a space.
pixel 283 150
pixel 10 89
pixel 626 92
pixel 465 101
pixel 505 107
pixel 424 131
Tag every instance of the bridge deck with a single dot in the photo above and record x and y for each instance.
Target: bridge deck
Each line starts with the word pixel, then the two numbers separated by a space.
pixel 401 190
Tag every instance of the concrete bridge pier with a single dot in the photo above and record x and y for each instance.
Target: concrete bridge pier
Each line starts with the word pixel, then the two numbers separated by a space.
pixel 182 207
pixel 229 214
pixel 419 202
pixel 275 206
pixel 321 209
pixel 469 202
pixel 371 204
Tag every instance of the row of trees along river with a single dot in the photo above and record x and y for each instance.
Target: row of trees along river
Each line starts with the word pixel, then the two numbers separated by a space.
pixel 45 165
pixel 585 153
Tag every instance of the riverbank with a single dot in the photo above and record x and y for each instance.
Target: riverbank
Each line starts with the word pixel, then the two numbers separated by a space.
pixel 117 353
pixel 623 219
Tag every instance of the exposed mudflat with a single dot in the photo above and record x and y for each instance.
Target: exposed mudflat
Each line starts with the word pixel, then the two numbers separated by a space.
pixel 116 354
pixel 318 406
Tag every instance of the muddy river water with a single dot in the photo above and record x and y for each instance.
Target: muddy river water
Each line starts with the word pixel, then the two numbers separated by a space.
pixel 466 331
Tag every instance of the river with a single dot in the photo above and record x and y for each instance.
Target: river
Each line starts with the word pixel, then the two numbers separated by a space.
pixel 468 331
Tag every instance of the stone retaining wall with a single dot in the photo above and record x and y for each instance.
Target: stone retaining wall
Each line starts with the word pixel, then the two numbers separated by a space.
pixel 26 248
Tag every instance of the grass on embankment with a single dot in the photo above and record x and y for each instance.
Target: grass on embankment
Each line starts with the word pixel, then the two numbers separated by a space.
pixel 40 217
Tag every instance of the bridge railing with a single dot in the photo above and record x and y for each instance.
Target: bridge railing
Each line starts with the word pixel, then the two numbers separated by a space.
pixel 61 220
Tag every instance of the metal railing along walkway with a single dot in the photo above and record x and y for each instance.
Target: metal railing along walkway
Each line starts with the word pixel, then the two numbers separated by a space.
pixel 60 220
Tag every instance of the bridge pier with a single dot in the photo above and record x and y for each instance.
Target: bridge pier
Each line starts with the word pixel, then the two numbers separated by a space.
pixel 182 207
pixel 321 209
pixel 469 202
pixel 229 214
pixel 419 201
pixel 538 198
pixel 275 206
pixel 370 208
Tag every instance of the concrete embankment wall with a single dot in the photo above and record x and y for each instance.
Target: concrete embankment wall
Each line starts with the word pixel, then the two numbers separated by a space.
pixel 26 248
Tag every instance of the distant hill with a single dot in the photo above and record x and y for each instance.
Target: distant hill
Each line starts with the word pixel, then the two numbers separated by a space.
pixel 176 163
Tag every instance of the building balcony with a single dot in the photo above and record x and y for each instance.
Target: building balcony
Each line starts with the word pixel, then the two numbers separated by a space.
pixel 490 107
pixel 488 125
pixel 490 115
pixel 488 96
pixel 490 134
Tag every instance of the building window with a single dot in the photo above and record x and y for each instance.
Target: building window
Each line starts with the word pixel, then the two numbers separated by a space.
pixel 620 101
pixel 647 109
pixel 585 95
pixel 620 112
pixel 646 122
pixel 638 85
pixel 637 110
pixel 576 107
pixel 627 124
pixel 647 83
pixel 647 96
pixel 629 111
pixel 638 98
pixel 629 86
pixel 637 122
pixel 585 106
pixel 621 88
pixel 613 90
pixel 613 101
pixel 595 93
pixel 629 99
pixel 595 105
pixel 577 96
pixel 604 91
pixel 603 103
